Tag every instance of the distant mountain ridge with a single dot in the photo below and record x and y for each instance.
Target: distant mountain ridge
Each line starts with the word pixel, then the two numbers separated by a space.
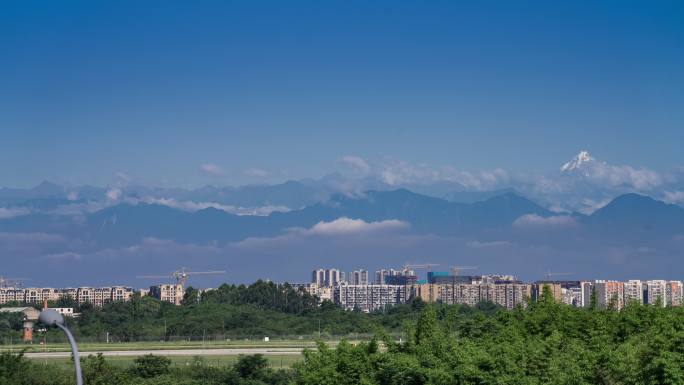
pixel 124 224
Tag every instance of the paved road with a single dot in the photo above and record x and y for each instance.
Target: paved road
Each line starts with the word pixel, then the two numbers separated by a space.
pixel 174 352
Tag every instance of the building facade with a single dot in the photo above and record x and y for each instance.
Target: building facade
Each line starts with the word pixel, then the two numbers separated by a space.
pixel 368 297
pixel 82 295
pixel 171 293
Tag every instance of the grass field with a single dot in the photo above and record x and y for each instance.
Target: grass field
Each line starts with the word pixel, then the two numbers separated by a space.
pixel 276 361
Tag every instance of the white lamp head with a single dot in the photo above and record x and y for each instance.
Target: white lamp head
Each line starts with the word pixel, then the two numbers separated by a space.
pixel 51 317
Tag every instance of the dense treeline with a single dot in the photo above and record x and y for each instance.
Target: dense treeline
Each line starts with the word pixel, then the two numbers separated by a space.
pixel 547 343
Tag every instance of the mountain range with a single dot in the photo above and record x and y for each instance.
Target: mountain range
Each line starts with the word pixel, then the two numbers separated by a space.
pixel 50 225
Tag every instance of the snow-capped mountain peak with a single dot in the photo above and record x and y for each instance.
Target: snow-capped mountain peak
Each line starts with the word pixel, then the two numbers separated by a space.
pixel 582 158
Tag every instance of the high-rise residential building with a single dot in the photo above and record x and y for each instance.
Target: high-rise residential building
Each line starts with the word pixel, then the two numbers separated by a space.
pixel 508 295
pixel 333 277
pixel 380 276
pixel 318 277
pixel 393 276
pixel 634 291
pixel 358 277
pixel 674 293
pixel 655 292
pixel 586 289
pixel 327 277
pixel 368 297
pixel 609 294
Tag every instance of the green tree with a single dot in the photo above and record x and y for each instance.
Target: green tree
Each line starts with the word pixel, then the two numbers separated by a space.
pixel 151 365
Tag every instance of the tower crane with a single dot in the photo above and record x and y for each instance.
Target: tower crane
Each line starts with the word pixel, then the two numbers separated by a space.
pixel 181 275
pixel 427 266
pixel 12 282
pixel 549 274
pixel 457 269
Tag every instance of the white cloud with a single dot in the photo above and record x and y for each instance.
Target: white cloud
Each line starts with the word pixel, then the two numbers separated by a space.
pixel 212 169
pixel 591 205
pixel 72 195
pixel 69 255
pixel 676 197
pixel 340 227
pixel 401 173
pixel 479 245
pixel 357 163
pixel 344 225
pixel 611 175
pixel 114 194
pixel 31 237
pixel 12 212
pixel 256 172
pixel 196 206
pixel 81 208
pixel 534 220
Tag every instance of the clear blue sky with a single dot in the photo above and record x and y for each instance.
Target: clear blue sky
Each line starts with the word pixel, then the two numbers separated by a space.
pixel 156 88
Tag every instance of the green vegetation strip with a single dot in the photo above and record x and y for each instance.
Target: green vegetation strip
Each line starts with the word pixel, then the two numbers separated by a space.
pixel 274 361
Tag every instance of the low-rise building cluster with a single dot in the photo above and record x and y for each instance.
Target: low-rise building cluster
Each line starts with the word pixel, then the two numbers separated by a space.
pixel 96 296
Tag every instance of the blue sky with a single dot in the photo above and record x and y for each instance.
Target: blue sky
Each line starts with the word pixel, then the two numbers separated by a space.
pixel 157 89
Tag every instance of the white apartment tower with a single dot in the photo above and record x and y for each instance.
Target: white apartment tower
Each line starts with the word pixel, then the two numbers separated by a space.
pixel 634 291
pixel 655 292
pixel 358 277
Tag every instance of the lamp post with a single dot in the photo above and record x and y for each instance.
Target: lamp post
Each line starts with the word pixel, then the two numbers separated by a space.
pixel 50 317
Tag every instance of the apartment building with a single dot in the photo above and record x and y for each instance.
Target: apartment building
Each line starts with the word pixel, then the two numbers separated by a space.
pixel 96 296
pixel 121 293
pixel 655 292
pixel 466 294
pixel 610 294
pixel 634 291
pixel 428 292
pixel 368 297
pixel 674 293
pixel 554 289
pixel 318 277
pixel 171 293
pixel 508 295
pixel 327 277
pixel 395 277
pixel 358 277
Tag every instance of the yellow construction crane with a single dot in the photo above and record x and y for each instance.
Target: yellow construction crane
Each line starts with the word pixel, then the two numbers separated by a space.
pixel 181 275
pixel 457 269
pixel 428 266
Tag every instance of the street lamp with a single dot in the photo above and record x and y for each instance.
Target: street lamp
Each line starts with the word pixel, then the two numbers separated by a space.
pixel 50 317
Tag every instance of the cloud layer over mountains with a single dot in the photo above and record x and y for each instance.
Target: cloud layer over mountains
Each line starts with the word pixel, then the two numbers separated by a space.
pixel 587 219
